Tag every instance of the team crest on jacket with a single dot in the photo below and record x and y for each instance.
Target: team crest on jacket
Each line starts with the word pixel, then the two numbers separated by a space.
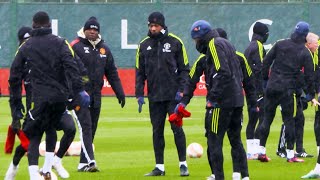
pixel 102 51
pixel 86 50
pixel 166 47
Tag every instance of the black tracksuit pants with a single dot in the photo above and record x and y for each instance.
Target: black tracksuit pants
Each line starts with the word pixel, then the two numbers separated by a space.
pixel 317 130
pixel 67 125
pixel 288 102
pixel 218 121
pixel 299 129
pixel 158 112
pixel 42 118
pixel 88 119
pixel 254 117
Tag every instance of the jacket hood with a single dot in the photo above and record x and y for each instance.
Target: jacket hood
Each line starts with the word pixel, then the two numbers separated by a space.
pixel 81 35
pixel 257 37
pixel 41 31
pixel 163 33
pixel 211 34
pixel 298 38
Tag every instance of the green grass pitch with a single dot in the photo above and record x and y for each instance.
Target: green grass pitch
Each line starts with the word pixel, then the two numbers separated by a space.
pixel 124 148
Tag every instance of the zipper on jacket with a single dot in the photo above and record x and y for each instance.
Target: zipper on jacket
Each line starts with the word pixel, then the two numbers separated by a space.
pixel 158 54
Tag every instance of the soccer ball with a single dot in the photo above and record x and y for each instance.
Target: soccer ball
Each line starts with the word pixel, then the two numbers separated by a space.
pixel 42 148
pixel 75 149
pixel 194 150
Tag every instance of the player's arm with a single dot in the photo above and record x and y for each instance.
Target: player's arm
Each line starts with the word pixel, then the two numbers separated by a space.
pixel 267 61
pixel 112 75
pixel 196 72
pixel 140 74
pixel 222 71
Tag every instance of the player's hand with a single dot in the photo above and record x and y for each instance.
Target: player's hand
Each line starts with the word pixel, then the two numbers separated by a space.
pixel 85 99
pixel 177 107
pixel 140 103
pixel 122 101
pixel 211 104
pixel 179 96
pixel 16 125
pixel 315 102
pixel 254 109
pixel 18 111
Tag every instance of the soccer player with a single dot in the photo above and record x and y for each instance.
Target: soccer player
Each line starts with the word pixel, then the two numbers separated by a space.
pixel 98 60
pixel 162 61
pixel 199 68
pixel 302 104
pixel 255 53
pixel 51 73
pixel 313 45
pixel 224 98
pixel 287 58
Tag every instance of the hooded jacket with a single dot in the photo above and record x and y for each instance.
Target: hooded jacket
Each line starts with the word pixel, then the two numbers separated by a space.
pixel 98 60
pixel 223 73
pixel 287 58
pixel 255 53
pixel 53 69
pixel 161 61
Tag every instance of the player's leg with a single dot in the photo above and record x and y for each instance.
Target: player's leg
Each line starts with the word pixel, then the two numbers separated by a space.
pixel 180 141
pixel 95 114
pixel 299 125
pixel 87 162
pixel 253 119
pixel 289 106
pixel 158 112
pixel 239 159
pixel 281 152
pixel 69 130
pixel 216 130
pixel 315 173
pixel 14 165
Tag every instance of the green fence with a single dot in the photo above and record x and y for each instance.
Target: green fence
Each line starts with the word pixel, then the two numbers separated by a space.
pixel 123 25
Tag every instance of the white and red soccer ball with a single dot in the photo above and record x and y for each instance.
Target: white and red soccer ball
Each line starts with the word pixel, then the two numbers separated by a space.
pixel 73 150
pixel 194 150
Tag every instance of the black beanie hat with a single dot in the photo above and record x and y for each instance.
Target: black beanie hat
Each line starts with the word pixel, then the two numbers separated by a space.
pixel 157 18
pixel 24 33
pixel 222 33
pixel 260 28
pixel 92 23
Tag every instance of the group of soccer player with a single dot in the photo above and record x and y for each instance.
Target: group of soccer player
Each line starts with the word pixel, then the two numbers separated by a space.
pixel 63 84
pixel 287 76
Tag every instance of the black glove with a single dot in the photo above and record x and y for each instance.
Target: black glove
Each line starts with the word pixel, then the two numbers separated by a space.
pixel 304 103
pixel 18 111
pixel 140 103
pixel 309 97
pixel 122 101
pixel 16 125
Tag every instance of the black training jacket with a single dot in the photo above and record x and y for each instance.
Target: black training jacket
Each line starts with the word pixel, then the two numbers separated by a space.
pixel 99 62
pixel 197 70
pixel 248 81
pixel 255 53
pixel 224 74
pixel 285 61
pixel 53 69
pixel 163 63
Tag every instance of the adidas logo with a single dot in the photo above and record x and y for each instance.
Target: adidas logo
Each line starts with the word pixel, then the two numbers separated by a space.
pixel 149 48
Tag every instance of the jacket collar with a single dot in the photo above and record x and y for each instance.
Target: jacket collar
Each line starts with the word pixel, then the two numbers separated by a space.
pixel 41 31
pixel 83 38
